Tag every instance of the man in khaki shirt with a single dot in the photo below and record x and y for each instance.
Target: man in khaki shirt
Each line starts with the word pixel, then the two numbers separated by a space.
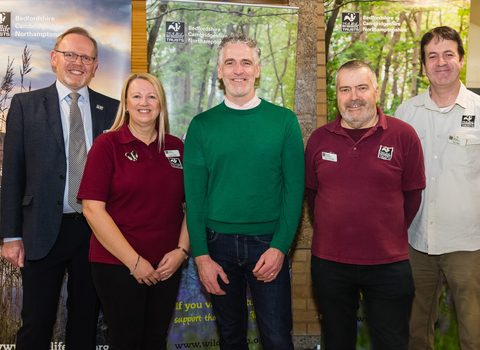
pixel 445 235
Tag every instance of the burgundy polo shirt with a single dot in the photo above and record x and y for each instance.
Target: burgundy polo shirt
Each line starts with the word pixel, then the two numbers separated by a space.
pixel 359 215
pixel 143 191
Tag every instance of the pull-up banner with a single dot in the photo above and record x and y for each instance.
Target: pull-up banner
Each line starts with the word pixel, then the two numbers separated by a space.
pixel 183 39
pixel 28 30
pixel 387 35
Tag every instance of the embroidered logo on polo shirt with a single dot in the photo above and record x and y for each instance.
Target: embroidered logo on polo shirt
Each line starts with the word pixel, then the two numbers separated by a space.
pixel 468 121
pixel 385 153
pixel 133 156
pixel 176 163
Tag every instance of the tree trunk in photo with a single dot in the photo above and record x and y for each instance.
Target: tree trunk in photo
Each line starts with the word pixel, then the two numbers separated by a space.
pixel 416 54
pixel 379 58
pixel 279 77
pixel 388 61
pixel 246 26
pixel 153 33
pixel 395 75
pixel 405 70
pixel 203 86
pixel 184 84
pixel 331 25
pixel 213 87
pixel 461 25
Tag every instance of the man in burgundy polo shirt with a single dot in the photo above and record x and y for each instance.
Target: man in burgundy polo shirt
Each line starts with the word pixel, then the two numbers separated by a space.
pixel 364 177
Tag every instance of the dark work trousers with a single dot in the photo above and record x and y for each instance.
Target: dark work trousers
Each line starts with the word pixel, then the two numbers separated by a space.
pixel 137 315
pixel 42 284
pixel 388 291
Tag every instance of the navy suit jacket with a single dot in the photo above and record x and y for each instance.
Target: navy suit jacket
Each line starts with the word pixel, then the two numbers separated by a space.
pixel 34 166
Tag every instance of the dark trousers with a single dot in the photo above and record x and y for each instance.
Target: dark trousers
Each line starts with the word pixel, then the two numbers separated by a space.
pixel 137 315
pixel 42 283
pixel 272 301
pixel 388 292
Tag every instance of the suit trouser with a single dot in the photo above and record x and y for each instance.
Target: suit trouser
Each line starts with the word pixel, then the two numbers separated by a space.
pixel 42 283
pixel 462 270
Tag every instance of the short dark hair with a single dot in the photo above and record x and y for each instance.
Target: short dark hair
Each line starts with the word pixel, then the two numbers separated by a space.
pixel 442 33
pixel 357 64
pixel 79 31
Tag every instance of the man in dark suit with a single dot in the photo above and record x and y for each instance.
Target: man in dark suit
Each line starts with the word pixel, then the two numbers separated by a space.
pixel 49 132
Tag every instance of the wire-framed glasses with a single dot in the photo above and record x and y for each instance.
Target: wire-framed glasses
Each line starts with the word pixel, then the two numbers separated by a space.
pixel 72 57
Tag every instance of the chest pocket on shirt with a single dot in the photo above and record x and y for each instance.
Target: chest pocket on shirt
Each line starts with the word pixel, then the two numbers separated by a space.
pixel 470 154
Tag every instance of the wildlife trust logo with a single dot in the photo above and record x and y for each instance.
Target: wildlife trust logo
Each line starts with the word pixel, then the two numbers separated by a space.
pixel 385 153
pixel 468 121
pixel 351 22
pixel 5 31
pixel 174 32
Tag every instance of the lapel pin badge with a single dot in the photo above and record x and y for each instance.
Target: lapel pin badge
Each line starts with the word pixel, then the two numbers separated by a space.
pixel 100 107
pixel 133 156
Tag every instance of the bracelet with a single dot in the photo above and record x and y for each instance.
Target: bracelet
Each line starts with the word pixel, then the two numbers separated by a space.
pixel 138 259
pixel 183 250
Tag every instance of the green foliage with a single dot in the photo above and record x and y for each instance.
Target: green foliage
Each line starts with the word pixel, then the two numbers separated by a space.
pixel 373 47
pixel 446 330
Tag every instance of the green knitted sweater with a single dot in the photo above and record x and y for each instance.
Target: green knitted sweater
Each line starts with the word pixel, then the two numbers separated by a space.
pixel 244 174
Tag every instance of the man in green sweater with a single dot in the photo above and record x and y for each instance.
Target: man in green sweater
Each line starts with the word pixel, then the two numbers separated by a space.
pixel 244 182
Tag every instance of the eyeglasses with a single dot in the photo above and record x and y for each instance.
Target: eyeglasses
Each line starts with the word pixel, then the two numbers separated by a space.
pixel 72 57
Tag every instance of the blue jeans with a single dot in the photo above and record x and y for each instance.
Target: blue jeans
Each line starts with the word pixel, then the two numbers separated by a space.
pixel 238 255
pixel 388 292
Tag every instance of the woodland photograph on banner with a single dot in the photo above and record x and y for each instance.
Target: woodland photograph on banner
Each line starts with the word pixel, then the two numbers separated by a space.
pixel 30 28
pixel 183 38
pixel 387 35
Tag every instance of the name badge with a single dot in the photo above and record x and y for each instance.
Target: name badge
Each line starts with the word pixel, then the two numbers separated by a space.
pixel 332 157
pixel 172 153
pixel 457 140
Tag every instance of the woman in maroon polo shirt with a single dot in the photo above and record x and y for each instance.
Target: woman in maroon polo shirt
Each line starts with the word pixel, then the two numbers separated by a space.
pixel 132 193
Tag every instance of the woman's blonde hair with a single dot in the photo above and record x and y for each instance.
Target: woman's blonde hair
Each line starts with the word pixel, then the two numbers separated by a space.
pixel 162 119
